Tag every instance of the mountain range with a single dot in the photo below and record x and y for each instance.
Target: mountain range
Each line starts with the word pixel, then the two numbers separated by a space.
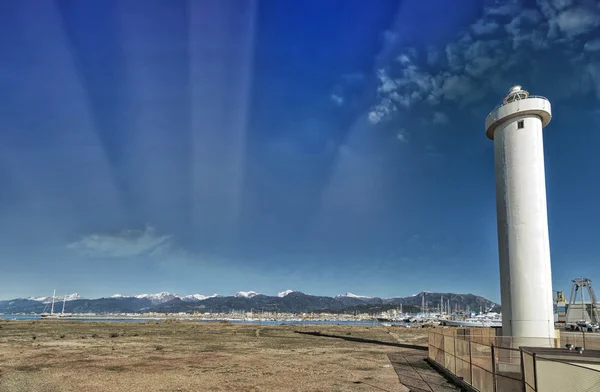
pixel 285 301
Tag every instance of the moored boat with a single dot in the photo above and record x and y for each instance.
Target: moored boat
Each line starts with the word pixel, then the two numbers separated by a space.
pixel 485 320
pixel 53 315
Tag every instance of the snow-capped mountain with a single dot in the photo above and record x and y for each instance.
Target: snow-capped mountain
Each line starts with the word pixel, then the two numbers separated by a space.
pixel 165 296
pixel 197 297
pixel 284 293
pixel 40 299
pixel 58 298
pixel 158 298
pixel 246 294
pixel 421 293
pixel 166 302
pixel 350 295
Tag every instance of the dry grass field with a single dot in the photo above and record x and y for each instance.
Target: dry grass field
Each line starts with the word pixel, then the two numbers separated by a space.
pixel 57 355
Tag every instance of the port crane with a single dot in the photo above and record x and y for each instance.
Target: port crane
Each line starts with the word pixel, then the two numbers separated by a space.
pixel 585 314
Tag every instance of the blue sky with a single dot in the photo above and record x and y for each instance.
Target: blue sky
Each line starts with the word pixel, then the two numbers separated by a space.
pixel 324 146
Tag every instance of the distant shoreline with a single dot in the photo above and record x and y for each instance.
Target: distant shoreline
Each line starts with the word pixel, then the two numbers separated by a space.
pixel 167 318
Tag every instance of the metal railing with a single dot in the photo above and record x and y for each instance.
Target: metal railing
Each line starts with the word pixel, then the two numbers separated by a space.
pixel 477 361
pixel 587 340
pixel 497 364
pixel 502 103
pixel 542 373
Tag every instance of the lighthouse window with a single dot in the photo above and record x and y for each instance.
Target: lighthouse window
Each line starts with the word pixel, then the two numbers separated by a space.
pixel 520 124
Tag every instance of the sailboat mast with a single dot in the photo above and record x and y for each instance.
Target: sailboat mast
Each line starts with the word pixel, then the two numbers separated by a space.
pixel 52 308
pixel 582 305
pixel 64 300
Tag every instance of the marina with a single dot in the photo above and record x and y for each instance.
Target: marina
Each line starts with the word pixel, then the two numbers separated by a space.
pixel 163 318
pixel 577 314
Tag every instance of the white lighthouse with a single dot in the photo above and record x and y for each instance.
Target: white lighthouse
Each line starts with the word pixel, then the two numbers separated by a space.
pixel 515 126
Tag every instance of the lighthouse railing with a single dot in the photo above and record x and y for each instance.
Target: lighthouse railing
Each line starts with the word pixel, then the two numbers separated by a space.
pixel 502 103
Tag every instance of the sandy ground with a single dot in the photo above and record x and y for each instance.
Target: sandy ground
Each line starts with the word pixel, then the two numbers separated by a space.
pixel 53 355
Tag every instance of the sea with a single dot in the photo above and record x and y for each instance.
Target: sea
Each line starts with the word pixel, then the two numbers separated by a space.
pixel 101 319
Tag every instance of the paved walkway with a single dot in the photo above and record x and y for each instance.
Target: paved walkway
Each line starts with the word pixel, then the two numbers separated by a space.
pixel 417 375
pixel 408 360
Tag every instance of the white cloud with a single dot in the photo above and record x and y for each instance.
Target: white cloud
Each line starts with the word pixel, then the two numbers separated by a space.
pixel 523 29
pixel 403 59
pixel 127 243
pixel 550 13
pixel 386 83
pixel 483 27
pixel 381 110
pixel 454 51
pixel 594 73
pixel 577 21
pixel 592 46
pixel 440 118
pixel 480 65
pixel 482 58
pixel 505 8
pixel 534 38
pixel 561 4
pixel 375 116
pixel 572 18
pixel 160 249
pixel 433 55
pixel 402 135
pixel 457 87
pixel 410 86
pixel 337 99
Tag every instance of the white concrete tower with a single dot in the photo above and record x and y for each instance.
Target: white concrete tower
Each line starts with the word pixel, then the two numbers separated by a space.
pixel 523 244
